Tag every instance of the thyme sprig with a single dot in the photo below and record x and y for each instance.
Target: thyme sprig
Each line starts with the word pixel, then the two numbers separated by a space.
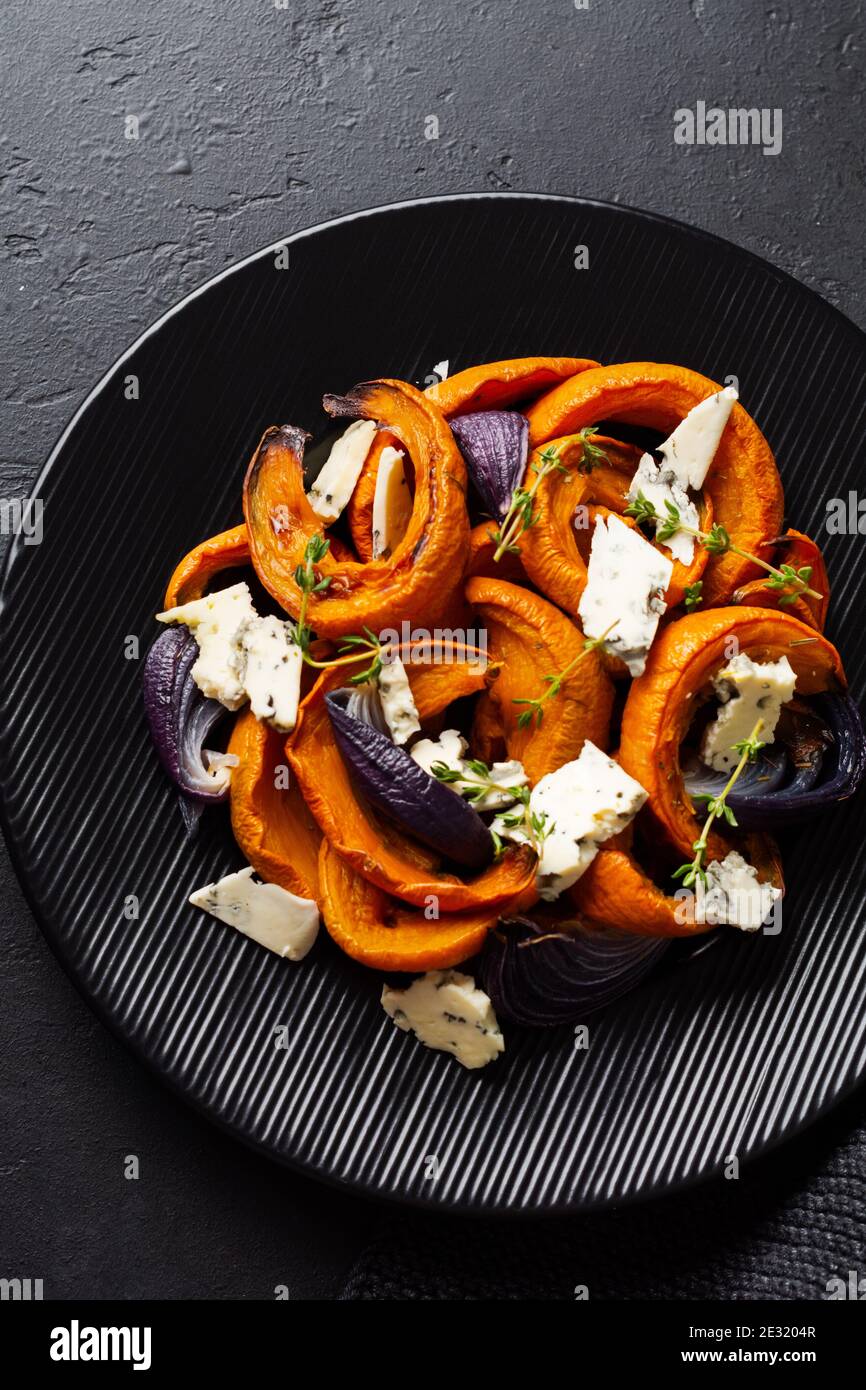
pixel 718 808
pixel 693 595
pixel 364 646
pixel 521 514
pixel 535 707
pixel 790 582
pixel 477 785
pixel 536 825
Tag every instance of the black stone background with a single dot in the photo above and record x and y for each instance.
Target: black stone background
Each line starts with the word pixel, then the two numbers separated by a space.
pixel 257 120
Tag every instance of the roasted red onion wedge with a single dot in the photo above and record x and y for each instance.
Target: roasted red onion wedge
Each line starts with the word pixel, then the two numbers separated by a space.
pixel 181 718
pixel 540 977
pixel 397 786
pixel 819 758
pixel 495 445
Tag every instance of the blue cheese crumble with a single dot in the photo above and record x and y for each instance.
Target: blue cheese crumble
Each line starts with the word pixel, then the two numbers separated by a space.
pixel 748 691
pixel 330 493
pixel 626 582
pixel 446 1012
pixel 265 912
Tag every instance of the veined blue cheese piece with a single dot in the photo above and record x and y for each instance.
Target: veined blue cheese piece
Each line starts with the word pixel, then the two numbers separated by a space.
pixel 580 804
pixel 660 486
pixel 392 503
pixel 338 475
pixel 398 704
pixel 449 749
pixel 270 662
pixel 692 447
pixel 445 1011
pixel 733 896
pixel 215 621
pixel 626 582
pixel 748 691
pixel 267 913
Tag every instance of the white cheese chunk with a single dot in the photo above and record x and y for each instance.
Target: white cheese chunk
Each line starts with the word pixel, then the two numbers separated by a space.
pixel 627 580
pixel 660 486
pixel 392 503
pixel 216 621
pixel 265 912
pixel 398 703
pixel 581 804
pixel 733 896
pixel 449 749
pixel 335 484
pixel 749 691
pixel 692 447
pixel 445 1011
pixel 270 663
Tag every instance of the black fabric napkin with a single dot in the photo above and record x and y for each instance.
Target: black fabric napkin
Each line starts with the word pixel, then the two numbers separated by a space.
pixel 791 1223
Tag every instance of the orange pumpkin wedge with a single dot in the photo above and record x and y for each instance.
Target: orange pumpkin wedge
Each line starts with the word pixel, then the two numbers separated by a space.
pixel 228 550
pixel 385 934
pixel 424 570
pixel 743 481
pixel 378 851
pixel 500 385
pixel 360 508
pixel 271 823
pixel 796 549
pixel 682 662
pixel 529 639
pixel 615 891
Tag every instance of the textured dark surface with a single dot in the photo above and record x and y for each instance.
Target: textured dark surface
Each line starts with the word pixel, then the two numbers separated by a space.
pixel 284 117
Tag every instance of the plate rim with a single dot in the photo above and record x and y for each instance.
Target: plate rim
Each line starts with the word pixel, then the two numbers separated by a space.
pixel 359 1187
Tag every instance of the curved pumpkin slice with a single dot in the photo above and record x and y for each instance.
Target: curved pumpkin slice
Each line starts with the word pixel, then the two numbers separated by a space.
pixel 498 385
pixel 615 891
pixel 682 662
pixel 481 551
pixel 743 481
pixel 532 639
pixel 271 824
pixel 360 508
pixel 488 739
pixel 795 549
pixel 425 568
pixel 380 853
pixel 380 932
pixel 228 550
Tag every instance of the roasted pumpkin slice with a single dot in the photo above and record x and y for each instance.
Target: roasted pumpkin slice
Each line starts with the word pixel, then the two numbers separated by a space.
pixel 270 820
pixel 797 550
pixel 497 385
pixel 682 662
pixel 743 481
pixel 228 550
pixel 615 891
pixel 427 566
pixel 377 930
pixel 482 548
pixel 529 640
pixel 380 853
pixel 361 503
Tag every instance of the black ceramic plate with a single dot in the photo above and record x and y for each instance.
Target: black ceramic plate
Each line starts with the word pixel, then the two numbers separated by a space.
pixel 724 1056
